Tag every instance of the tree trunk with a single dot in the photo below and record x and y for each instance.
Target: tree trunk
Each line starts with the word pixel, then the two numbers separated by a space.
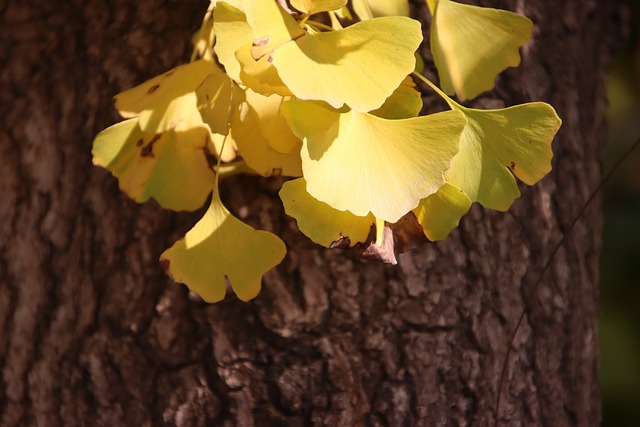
pixel 92 333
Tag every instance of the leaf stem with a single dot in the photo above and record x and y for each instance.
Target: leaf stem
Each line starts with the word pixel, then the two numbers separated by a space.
pixel 453 104
pixel 319 25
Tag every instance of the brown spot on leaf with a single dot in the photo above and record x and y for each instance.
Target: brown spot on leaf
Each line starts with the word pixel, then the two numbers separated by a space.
pixel 147 150
pixel 512 166
pixel 153 89
pixel 139 142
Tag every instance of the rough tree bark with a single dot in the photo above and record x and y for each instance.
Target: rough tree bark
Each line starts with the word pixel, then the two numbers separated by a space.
pixel 93 334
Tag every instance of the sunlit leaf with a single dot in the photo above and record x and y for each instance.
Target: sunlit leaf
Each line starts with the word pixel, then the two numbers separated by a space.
pixel 273 125
pixel 440 213
pixel 246 134
pixel 203 40
pixel 471 45
pixel 222 247
pixel 388 7
pixel 232 32
pixel 362 163
pixel 261 76
pixel 319 221
pixel 170 167
pixel 272 26
pixel 497 144
pixel 217 99
pixel 360 65
pixel 361 8
pixel 317 6
pixel 167 101
pixel 403 103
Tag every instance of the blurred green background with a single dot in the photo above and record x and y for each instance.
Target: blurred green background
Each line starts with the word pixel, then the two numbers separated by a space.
pixel 620 262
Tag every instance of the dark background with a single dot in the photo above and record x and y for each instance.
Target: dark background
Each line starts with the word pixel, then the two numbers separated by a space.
pixel 620 264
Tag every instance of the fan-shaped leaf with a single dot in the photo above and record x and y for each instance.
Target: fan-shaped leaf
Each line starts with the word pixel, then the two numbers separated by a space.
pixel 220 246
pixel 440 213
pixel 170 167
pixel 316 6
pixel 273 125
pixel 498 143
pixel 272 26
pixel 362 163
pixel 319 221
pixel 359 66
pixel 403 103
pixel 217 99
pixel 246 134
pixel 471 45
pixel 167 101
pixel 232 32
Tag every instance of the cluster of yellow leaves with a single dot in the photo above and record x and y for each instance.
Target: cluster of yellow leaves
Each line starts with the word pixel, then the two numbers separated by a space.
pixel 336 108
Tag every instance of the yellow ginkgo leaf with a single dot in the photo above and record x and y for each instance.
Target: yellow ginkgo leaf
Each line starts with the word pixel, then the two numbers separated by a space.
pixel 471 45
pixel 221 247
pixel 246 134
pixel 388 7
pixel 167 101
pixel 362 163
pixel 273 125
pixel 403 103
pixel 272 26
pixel 261 76
pixel 225 147
pixel 203 40
pixel 232 32
pixel 316 6
pixel 359 66
pixel 170 167
pixel 498 143
pixel 319 221
pixel 217 99
pixel 440 213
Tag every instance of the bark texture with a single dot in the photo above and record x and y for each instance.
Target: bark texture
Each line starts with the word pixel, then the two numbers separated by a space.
pixel 93 334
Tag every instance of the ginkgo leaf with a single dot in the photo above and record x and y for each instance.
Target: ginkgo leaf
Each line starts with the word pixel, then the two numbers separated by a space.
pixel 225 147
pixel 496 144
pixel 471 45
pixel 316 6
pixel 403 103
pixel 261 76
pixel 359 66
pixel 203 40
pixel 217 99
pixel 170 167
pixel 232 32
pixel 362 163
pixel 388 7
pixel 167 101
pixel 272 26
pixel 221 247
pixel 440 213
pixel 273 125
pixel 246 134
pixel 319 221
pixel 361 8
